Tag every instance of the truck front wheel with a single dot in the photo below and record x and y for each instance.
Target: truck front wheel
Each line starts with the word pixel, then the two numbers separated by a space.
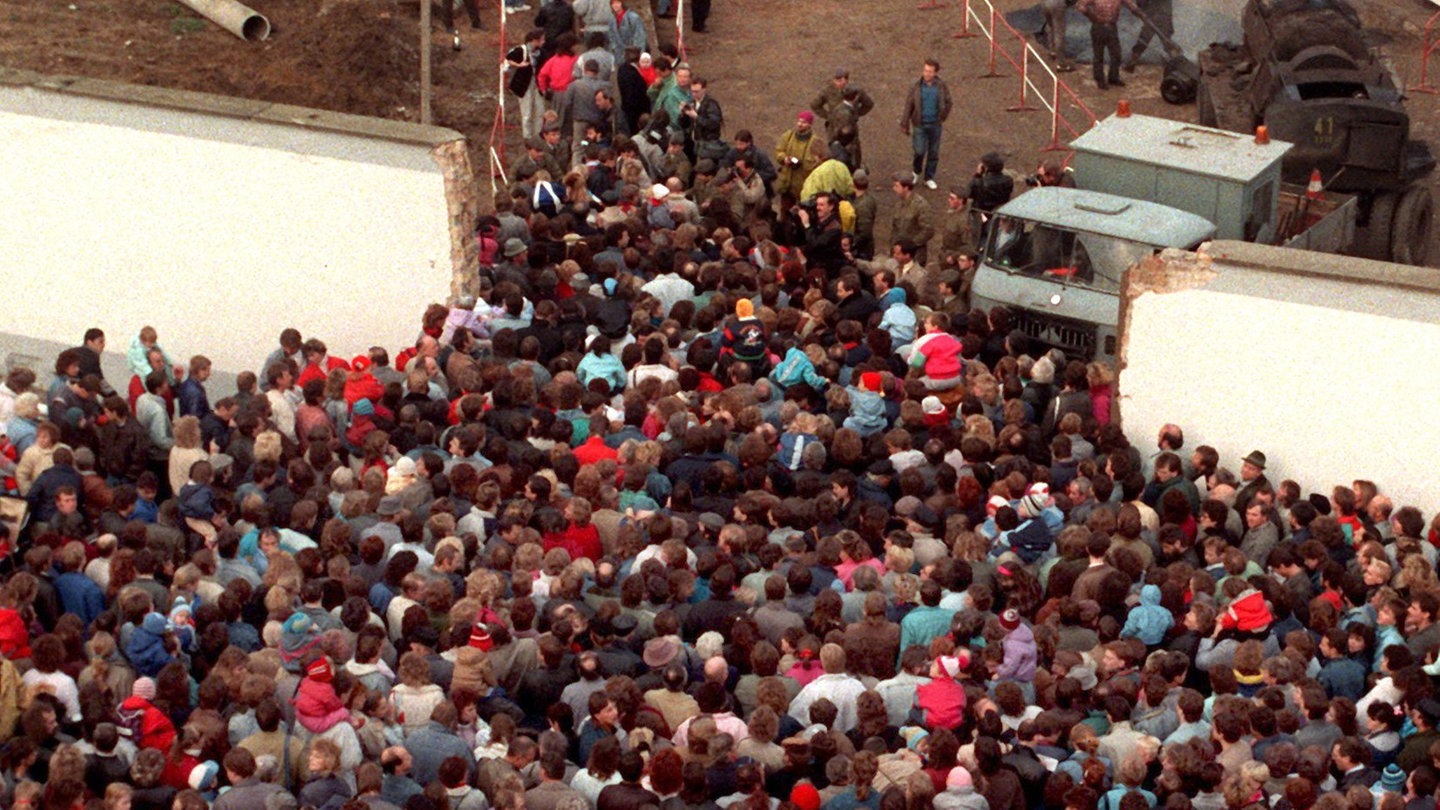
pixel 1410 234
pixel 1373 240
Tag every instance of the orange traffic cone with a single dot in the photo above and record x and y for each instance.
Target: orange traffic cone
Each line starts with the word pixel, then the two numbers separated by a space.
pixel 1316 187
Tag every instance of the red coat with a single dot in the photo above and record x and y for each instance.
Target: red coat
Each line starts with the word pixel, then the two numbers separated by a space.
pixel 177 771
pixel 360 427
pixel 362 385
pixel 942 703
pixel 593 451
pixel 7 450
pixel 156 730
pixel 578 541
pixel 1247 613
pixel 314 372
pixel 14 635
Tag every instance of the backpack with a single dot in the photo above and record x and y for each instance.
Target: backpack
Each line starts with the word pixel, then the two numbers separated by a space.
pixel 546 199
pixel 522 78
pixel 749 340
pixel 130 723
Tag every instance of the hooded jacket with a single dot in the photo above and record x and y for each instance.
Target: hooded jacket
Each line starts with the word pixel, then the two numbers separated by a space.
pixel 898 318
pixel 317 707
pixel 867 412
pixel 472 671
pixel 197 501
pixel 964 798
pixel 941 703
pixel 153 728
pixel 146 650
pixel 797 368
pixel 1019 661
pixel 1148 621
pixel 792 448
pixel 1247 613
pixel 1030 540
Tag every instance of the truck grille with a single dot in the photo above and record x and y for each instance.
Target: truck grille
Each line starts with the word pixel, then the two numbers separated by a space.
pixel 1076 338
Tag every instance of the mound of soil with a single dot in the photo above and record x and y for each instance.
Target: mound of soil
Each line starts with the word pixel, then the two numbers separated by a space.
pixel 353 56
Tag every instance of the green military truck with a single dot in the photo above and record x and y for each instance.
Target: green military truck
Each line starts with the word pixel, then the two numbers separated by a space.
pixel 1055 256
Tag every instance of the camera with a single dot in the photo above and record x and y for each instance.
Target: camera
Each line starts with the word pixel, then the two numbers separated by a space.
pixel 1032 180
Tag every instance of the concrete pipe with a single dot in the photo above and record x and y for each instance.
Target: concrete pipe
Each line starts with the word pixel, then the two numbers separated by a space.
pixel 240 20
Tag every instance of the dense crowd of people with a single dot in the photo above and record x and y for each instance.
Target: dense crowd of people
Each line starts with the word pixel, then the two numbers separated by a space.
pixel 689 502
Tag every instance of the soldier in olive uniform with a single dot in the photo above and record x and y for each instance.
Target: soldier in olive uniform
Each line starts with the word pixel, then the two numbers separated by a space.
pixel 955 230
pixel 832 95
pixel 866 210
pixel 911 221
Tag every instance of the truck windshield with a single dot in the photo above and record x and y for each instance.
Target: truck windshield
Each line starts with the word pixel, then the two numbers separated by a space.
pixel 1071 257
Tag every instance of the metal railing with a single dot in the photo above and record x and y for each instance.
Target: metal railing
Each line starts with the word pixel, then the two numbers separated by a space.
pixel 992 25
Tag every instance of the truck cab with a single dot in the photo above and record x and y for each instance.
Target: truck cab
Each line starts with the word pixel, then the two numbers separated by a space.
pixel 1055 256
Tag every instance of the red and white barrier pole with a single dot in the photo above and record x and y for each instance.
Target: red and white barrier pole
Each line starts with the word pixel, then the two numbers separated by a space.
pixel 1024 104
pixel 1054 145
pixel 994 46
pixel 964 32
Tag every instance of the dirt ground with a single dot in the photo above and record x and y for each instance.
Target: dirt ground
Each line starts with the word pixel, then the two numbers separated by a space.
pixel 765 60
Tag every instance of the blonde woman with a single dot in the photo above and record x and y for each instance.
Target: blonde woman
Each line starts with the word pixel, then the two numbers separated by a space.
pixel 39 456
pixel 187 451
pixel 1416 575
pixel 268 446
pixel 1102 389
pixel 414 697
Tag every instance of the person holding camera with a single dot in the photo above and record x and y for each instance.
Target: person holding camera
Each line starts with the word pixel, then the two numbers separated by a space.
pixel 990 188
pixel 1051 173
pixel 797 154
pixel 704 119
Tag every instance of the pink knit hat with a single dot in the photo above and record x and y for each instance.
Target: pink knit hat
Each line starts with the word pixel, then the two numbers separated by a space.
pixel 959 778
pixel 144 688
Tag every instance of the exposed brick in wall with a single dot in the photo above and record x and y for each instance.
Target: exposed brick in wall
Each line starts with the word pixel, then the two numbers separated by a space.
pixel 463 202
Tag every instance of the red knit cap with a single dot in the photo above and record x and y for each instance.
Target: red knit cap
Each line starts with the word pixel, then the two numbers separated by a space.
pixel 319 669
pixel 805 796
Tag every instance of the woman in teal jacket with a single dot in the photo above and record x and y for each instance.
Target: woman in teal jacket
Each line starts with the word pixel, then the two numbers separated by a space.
pixel 600 364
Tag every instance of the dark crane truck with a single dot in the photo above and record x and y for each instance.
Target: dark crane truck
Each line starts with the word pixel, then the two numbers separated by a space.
pixel 1306 73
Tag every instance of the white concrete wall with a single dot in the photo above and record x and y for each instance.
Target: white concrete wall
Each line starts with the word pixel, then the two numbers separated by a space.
pixel 219 228
pixel 1332 378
